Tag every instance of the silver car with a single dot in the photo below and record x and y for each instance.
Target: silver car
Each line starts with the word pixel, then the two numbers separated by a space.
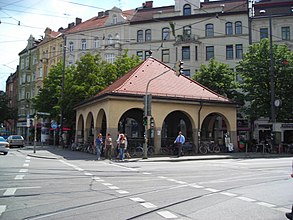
pixel 15 140
pixel 4 146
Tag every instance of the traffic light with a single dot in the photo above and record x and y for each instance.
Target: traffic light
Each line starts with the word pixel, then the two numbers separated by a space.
pixel 145 120
pixel 152 122
pixel 179 68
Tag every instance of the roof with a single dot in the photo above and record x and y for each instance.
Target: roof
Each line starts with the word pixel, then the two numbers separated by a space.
pixel 163 83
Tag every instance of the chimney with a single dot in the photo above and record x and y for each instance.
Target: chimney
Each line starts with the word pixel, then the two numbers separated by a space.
pixel 148 4
pixel 107 12
pixel 77 21
pixel 100 14
pixel 70 25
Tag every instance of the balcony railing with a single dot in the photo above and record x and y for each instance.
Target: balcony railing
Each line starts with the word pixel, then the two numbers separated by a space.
pixel 186 38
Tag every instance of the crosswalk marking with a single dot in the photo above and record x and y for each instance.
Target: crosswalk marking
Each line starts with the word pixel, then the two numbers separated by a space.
pixel 2 209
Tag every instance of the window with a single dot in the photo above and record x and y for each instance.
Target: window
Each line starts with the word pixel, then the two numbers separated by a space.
pixel 239 51
pixel 54 51
pixel 22 64
pixel 28 78
pixel 114 19
pixel 83 44
pixel 196 53
pixel 96 42
pixel 187 30
pixel 27 61
pixel 210 52
pixel 185 53
pixel 117 38
pixel 165 33
pixel 166 56
pixel 209 30
pixel 140 54
pixel 71 46
pixel 110 39
pixel 186 10
pixel 147 54
pixel 140 36
pixel 110 57
pixel 238 27
pixel 263 33
pixel 229 28
pixel 41 72
pixel 285 33
pixel 35 59
pixel 186 72
pixel 148 35
pixel 229 52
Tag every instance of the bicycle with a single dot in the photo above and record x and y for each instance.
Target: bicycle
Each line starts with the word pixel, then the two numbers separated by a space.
pixel 210 147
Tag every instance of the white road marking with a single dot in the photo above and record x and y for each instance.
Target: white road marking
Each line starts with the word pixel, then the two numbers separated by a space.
pixel 162 177
pixel 167 214
pixel 27 161
pixel 269 205
pixel 127 168
pixel 228 194
pixel 88 174
pixel 146 173
pixel 113 187
pixel 10 192
pixel 25 164
pixel 211 190
pixel 96 178
pixel 196 186
pixel 246 199
pixel 28 157
pixel 282 209
pixel 2 209
pixel 18 177
pixel 181 182
pixel 122 191
pixel 137 199
pixel 148 205
pixel 107 184
pixel 99 180
pixel 23 170
pixel 172 180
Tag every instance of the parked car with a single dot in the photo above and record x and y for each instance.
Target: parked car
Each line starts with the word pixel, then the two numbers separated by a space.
pixel 4 145
pixel 15 140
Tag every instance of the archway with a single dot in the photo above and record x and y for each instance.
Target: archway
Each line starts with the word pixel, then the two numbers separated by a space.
pixel 80 130
pixel 89 128
pixel 174 122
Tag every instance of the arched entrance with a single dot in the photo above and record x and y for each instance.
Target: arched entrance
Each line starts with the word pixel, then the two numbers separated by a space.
pixel 80 130
pixel 174 122
pixel 214 128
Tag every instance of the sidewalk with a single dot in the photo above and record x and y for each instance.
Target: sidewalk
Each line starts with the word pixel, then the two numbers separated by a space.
pixel 55 152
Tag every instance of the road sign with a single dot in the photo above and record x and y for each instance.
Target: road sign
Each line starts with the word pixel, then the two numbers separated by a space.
pixel 54 125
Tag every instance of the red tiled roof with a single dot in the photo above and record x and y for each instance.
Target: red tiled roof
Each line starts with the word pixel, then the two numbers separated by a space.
pixel 95 22
pixel 167 85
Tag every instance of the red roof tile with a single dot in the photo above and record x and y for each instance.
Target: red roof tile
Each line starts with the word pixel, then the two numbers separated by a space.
pixel 167 85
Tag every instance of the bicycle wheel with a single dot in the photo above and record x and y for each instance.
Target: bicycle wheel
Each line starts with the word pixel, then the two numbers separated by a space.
pixel 138 151
pixel 203 149
pixel 216 149
pixel 151 150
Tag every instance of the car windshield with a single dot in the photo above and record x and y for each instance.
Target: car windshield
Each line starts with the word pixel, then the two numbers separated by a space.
pixel 2 139
pixel 16 137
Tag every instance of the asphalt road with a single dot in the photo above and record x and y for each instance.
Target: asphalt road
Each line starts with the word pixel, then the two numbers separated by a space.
pixel 82 188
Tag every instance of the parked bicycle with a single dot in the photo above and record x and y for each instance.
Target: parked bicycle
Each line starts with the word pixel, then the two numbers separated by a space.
pixel 209 147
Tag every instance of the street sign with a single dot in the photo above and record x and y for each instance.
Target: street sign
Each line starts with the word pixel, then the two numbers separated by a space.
pixel 54 125
pixel 43 113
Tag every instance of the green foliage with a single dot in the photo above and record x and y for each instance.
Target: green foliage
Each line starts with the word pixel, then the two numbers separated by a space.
pixel 82 81
pixel 255 72
pixel 219 78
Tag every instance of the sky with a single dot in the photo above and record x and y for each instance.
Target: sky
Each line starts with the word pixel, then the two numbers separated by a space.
pixel 21 18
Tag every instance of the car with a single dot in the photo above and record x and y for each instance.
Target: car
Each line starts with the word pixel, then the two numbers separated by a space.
pixel 15 140
pixel 4 146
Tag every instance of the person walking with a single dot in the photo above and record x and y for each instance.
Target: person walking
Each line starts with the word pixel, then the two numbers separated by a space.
pixel 109 148
pixel 99 143
pixel 289 215
pixel 179 141
pixel 122 146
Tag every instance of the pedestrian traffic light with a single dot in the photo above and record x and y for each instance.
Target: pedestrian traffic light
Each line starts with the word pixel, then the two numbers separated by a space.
pixel 179 68
pixel 145 120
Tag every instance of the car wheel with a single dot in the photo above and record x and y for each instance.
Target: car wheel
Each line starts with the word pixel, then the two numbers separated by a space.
pixel 5 153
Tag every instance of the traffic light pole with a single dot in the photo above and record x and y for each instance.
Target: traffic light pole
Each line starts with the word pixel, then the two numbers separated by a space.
pixel 146 107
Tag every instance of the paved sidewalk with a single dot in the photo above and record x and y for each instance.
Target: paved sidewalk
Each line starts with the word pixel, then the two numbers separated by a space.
pixel 55 152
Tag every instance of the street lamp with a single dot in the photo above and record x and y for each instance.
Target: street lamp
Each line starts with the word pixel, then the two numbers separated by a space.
pixel 272 77
pixel 147 104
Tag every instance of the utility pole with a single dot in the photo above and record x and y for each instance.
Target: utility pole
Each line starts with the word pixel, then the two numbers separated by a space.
pixel 62 92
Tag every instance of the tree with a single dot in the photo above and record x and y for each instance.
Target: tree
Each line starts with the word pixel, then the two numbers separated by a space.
pixel 255 72
pixel 219 78
pixel 83 80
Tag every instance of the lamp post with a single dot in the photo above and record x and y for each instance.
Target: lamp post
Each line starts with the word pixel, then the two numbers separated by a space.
pixel 147 111
pixel 272 77
pixel 62 92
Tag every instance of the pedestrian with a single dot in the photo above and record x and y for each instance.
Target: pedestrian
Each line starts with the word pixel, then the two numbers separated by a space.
pixel 122 146
pixel 179 141
pixel 289 215
pixel 99 143
pixel 109 148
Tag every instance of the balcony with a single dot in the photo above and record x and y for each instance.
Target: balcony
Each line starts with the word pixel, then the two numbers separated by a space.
pixel 186 38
